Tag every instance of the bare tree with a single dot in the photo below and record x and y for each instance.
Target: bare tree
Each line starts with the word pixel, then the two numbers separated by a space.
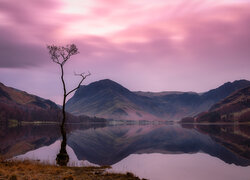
pixel 60 55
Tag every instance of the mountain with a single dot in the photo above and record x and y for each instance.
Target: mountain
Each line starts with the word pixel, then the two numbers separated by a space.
pixel 17 106
pixel 108 99
pixel 234 108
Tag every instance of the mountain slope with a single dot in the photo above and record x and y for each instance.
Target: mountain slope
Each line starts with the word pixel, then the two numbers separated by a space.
pixel 16 105
pixel 10 95
pixel 235 107
pixel 108 99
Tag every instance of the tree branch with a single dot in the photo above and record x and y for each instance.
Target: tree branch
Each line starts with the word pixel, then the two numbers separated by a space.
pixel 83 77
pixel 56 60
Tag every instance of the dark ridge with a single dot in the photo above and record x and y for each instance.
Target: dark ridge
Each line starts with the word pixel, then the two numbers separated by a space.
pixel 225 90
pixel 242 92
pixel 101 85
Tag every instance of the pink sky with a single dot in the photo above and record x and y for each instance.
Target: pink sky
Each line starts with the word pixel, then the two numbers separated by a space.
pixel 160 45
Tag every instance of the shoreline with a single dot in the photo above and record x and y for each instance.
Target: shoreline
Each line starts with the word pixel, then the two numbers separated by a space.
pixel 15 170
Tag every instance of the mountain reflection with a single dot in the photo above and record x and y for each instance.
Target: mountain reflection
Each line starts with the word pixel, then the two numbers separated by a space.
pixel 107 145
pixel 18 140
pixel 235 137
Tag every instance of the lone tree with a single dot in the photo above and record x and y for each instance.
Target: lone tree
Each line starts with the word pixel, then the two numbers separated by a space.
pixel 60 55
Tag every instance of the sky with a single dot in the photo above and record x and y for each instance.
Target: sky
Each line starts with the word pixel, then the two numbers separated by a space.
pixel 147 45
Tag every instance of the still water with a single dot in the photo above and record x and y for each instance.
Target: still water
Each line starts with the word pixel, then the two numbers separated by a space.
pixel 156 152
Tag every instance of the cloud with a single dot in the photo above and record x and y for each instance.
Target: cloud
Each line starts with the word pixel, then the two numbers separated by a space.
pixel 25 30
pixel 217 34
pixel 28 11
pixel 132 41
pixel 15 52
pixel 222 36
pixel 222 39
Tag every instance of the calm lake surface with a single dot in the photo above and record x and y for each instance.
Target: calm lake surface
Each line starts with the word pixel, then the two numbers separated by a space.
pixel 156 152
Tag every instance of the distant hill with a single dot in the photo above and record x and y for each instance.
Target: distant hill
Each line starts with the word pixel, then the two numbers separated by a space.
pixel 234 108
pixel 10 96
pixel 17 106
pixel 108 99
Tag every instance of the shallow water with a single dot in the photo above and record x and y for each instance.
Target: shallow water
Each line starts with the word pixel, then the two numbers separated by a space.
pixel 198 166
pixel 154 152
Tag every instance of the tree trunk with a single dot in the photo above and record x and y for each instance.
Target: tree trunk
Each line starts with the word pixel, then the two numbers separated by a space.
pixel 62 158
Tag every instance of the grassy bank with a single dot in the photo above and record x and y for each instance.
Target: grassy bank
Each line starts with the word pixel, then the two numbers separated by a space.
pixel 26 170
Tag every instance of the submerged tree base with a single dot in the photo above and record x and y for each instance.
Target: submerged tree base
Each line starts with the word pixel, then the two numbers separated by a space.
pixel 62 159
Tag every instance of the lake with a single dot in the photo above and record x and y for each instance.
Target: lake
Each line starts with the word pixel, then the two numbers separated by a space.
pixel 156 152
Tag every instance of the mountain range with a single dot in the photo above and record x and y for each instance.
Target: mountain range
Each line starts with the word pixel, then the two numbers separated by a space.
pixel 108 99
